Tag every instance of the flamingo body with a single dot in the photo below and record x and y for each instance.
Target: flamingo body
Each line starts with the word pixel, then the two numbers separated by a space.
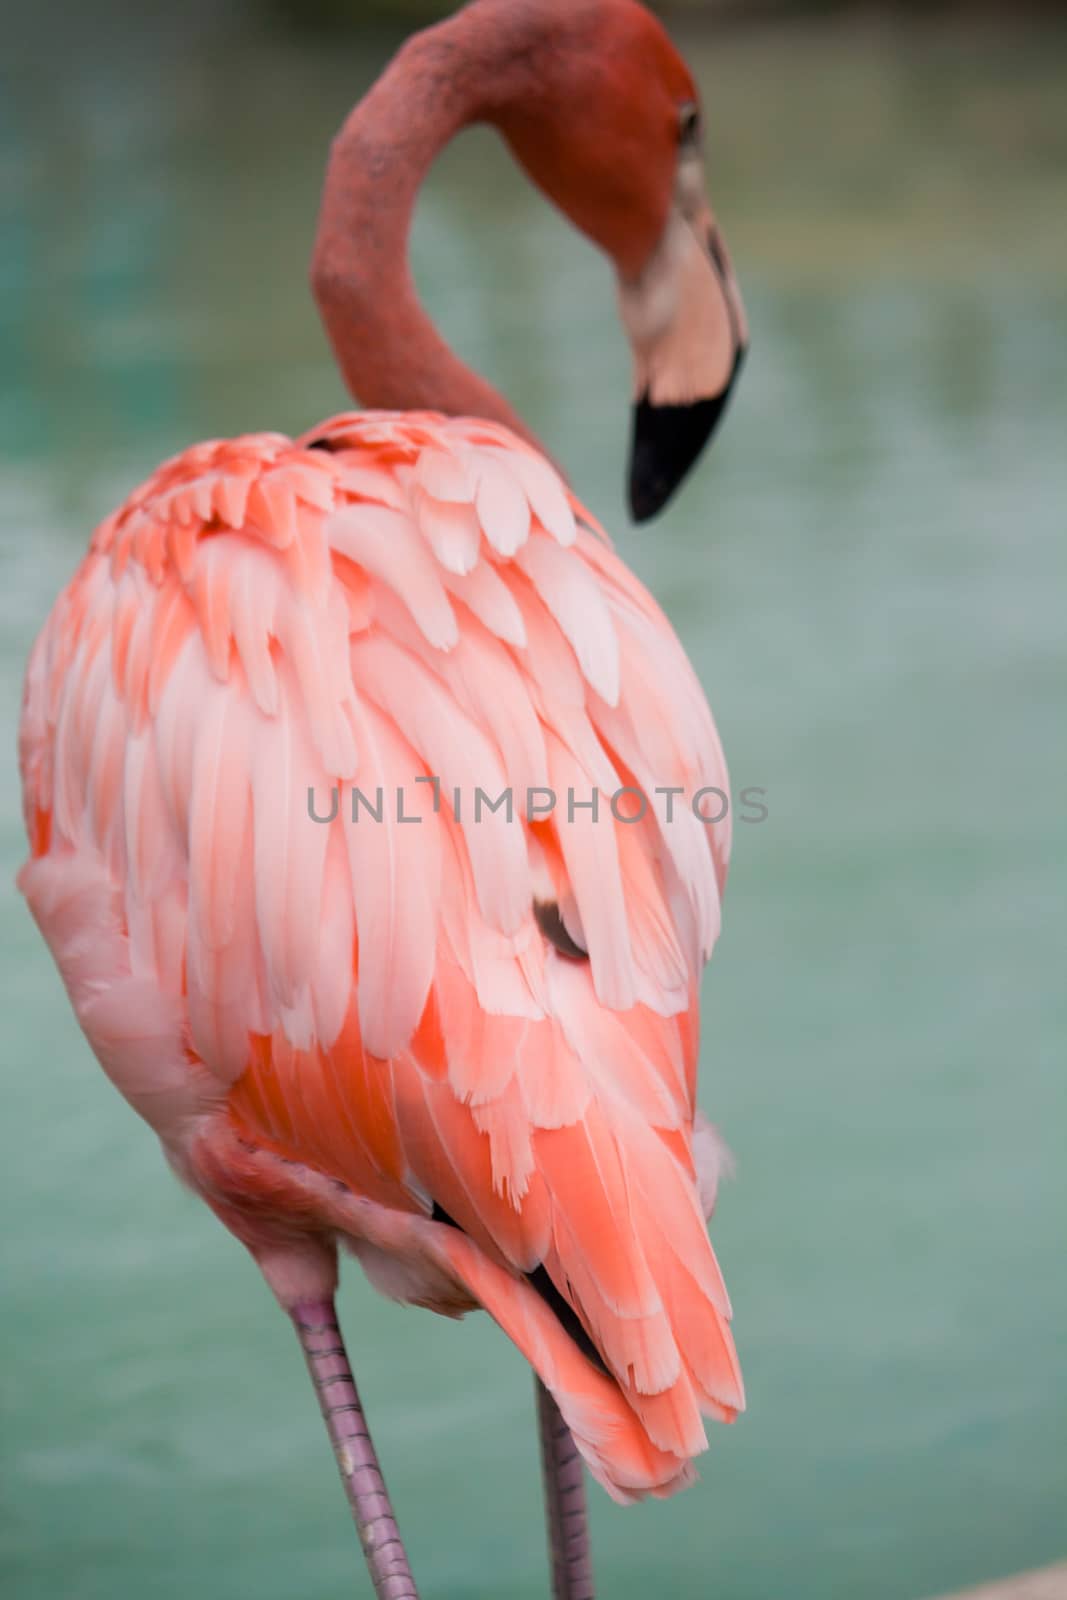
pixel 361 1029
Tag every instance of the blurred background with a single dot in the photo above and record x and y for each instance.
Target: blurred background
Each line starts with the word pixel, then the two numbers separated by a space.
pixel 869 574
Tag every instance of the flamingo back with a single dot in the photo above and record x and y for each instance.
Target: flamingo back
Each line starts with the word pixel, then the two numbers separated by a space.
pixel 470 1013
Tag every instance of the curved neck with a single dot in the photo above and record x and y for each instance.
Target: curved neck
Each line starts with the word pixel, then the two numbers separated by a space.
pixel 390 354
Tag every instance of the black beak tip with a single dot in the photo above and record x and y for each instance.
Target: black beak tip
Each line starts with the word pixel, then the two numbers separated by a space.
pixel 666 442
pixel 651 485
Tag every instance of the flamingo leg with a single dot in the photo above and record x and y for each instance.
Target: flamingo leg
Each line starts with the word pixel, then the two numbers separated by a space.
pixel 342 1411
pixel 565 1513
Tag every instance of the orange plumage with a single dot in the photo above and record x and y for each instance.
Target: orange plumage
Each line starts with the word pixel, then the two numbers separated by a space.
pixel 362 784
pixel 373 1002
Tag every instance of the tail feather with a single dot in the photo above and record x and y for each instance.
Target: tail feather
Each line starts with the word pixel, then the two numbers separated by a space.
pixel 637 1348
pixel 655 1309
pixel 616 1446
pixel 660 1319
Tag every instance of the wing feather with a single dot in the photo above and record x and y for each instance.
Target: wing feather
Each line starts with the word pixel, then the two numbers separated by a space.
pixel 414 599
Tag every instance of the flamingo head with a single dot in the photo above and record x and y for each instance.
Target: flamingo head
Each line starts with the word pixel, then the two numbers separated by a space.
pixel 609 125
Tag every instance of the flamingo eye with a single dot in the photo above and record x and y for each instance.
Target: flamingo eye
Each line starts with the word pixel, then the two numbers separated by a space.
pixel 689 127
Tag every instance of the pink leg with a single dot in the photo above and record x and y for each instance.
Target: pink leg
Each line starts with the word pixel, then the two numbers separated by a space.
pixel 320 1338
pixel 564 1480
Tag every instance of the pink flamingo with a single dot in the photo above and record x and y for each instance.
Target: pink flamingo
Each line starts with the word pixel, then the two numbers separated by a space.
pixel 462 1045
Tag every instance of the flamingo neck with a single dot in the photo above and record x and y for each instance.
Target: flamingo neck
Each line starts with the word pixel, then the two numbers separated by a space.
pixel 389 352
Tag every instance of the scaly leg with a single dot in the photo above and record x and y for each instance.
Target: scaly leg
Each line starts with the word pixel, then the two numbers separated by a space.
pixel 324 1350
pixel 565 1514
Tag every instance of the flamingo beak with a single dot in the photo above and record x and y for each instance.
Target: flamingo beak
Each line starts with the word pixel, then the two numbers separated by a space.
pixel 687 375
pixel 666 442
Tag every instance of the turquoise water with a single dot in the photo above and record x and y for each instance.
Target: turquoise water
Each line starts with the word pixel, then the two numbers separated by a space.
pixel 869 572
